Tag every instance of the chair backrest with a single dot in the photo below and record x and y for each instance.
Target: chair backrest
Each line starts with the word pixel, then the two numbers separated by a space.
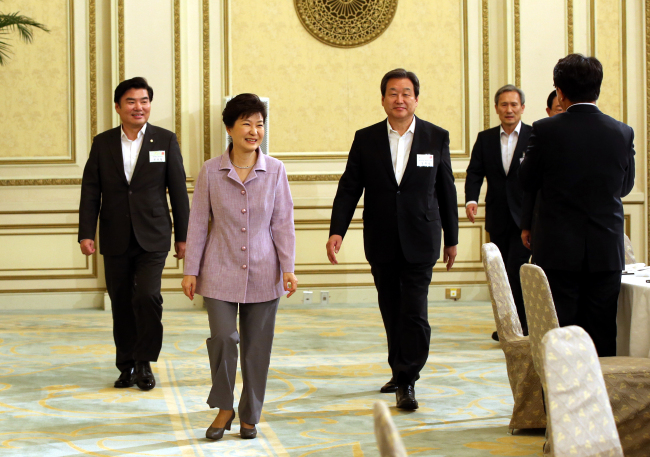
pixel 629 251
pixel 503 304
pixel 540 311
pixel 578 407
pixel 388 440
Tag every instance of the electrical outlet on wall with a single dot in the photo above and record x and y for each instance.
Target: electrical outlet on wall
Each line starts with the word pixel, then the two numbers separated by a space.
pixel 307 297
pixel 324 297
pixel 452 293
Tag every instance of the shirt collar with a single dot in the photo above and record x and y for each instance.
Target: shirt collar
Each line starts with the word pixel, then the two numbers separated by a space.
pixel 410 129
pixel 581 103
pixel 260 164
pixel 517 129
pixel 140 133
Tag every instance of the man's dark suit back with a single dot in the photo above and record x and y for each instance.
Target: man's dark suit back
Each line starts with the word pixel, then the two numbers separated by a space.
pixel 504 194
pixel 583 161
pixel 142 204
pixel 410 213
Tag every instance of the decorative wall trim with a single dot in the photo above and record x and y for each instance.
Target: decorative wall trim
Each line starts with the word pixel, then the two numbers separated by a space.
pixel 517 44
pixel 592 26
pixel 206 80
pixel 177 72
pixel 41 182
pixel 486 64
pixel 120 39
pixel 226 48
pixel 92 59
pixel 569 26
pixel 72 109
pixel 647 123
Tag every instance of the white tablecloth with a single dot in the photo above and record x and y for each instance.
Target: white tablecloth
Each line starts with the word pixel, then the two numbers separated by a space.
pixel 633 319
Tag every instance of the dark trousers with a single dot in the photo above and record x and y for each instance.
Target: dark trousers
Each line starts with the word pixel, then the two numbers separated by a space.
pixel 590 300
pixel 514 254
pixel 402 289
pixel 133 284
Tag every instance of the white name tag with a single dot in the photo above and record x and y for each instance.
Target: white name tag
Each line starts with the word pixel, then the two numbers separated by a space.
pixel 156 156
pixel 425 160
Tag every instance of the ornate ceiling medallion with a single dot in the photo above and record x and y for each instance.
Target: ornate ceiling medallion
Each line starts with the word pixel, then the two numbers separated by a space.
pixel 346 23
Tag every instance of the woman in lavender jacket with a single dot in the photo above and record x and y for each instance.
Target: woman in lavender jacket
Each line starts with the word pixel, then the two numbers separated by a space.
pixel 245 262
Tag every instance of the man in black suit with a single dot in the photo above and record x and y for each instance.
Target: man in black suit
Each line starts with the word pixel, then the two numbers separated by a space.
pixel 403 163
pixel 530 208
pixel 583 162
pixel 496 157
pixel 129 170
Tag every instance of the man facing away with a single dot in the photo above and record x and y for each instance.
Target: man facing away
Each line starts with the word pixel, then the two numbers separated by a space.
pixel 129 170
pixel 583 162
pixel 404 166
pixel 496 156
pixel 530 208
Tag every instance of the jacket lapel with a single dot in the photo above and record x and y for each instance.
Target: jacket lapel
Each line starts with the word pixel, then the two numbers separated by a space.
pixel 115 148
pixel 143 156
pixel 524 134
pixel 497 151
pixel 383 147
pixel 415 145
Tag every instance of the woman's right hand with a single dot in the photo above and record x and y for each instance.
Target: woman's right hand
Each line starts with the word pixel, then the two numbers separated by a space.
pixel 189 286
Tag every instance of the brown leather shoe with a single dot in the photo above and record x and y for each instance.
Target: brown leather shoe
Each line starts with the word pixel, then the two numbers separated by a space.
pixel 214 433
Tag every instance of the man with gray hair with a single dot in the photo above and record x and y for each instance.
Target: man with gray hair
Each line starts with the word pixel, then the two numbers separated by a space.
pixel 496 156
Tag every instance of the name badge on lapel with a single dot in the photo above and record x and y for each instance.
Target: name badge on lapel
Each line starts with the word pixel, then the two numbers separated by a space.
pixel 156 156
pixel 425 160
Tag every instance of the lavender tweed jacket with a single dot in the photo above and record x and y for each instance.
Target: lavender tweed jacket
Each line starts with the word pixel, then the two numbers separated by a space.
pixel 252 238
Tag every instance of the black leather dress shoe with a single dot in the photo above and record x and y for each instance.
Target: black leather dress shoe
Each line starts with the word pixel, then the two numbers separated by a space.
pixel 495 336
pixel 126 379
pixel 143 376
pixel 389 387
pixel 406 397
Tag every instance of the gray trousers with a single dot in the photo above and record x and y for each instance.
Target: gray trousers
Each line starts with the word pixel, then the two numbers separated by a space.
pixel 256 328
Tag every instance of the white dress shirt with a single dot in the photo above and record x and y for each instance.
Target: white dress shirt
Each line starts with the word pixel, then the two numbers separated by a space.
pixel 400 148
pixel 508 145
pixel 131 151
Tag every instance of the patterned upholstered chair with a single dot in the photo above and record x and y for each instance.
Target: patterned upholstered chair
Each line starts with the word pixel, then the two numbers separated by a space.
pixel 582 423
pixel 629 251
pixel 627 379
pixel 528 410
pixel 388 439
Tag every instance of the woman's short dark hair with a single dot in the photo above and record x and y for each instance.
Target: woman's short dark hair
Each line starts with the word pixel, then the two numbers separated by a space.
pixel 241 107
pixel 549 100
pixel 578 77
pixel 400 73
pixel 134 83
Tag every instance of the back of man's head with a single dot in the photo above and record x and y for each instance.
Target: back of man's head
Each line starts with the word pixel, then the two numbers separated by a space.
pixel 134 83
pixel 578 77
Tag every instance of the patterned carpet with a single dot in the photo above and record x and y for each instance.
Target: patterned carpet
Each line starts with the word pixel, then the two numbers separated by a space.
pixel 57 399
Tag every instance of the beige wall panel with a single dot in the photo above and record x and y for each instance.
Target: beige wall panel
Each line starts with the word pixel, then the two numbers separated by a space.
pixel 608 51
pixel 35 87
pixel 320 95
pixel 39 252
pixel 149 52
pixel 539 56
pixel 310 247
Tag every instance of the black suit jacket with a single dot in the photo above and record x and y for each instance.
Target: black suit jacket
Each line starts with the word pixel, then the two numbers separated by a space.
pixel 410 214
pixel 583 162
pixel 141 204
pixel 504 194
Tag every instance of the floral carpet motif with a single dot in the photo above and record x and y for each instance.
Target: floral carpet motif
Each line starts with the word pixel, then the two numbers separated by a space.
pixel 57 399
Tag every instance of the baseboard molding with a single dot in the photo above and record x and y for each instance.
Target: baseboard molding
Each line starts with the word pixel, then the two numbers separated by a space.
pixel 178 301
